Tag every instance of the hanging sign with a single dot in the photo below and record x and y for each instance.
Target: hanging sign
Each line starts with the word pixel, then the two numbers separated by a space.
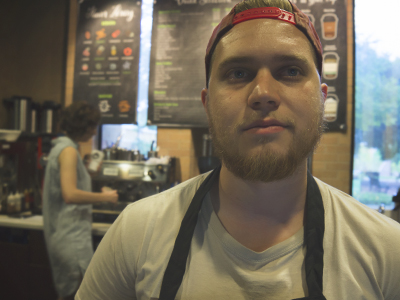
pixel 107 58
pixel 181 30
pixel 330 21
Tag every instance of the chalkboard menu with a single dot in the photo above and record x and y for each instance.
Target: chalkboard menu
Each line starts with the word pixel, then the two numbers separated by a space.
pixel 107 58
pixel 329 19
pixel 181 29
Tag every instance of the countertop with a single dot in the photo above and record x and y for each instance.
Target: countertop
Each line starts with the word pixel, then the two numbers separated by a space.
pixel 36 223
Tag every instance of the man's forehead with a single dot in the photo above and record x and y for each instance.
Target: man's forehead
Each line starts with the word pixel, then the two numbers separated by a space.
pixel 278 58
pixel 267 27
pixel 255 36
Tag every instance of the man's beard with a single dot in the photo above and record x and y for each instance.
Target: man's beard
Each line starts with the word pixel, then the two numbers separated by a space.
pixel 267 165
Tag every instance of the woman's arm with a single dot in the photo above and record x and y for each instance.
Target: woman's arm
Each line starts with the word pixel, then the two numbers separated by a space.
pixel 68 160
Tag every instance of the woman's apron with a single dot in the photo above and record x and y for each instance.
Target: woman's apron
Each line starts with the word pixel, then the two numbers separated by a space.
pixel 313 237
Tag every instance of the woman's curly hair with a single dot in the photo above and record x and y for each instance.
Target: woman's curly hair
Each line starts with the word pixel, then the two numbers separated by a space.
pixel 77 118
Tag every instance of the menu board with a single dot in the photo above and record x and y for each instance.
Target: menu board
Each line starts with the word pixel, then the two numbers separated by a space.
pixel 107 58
pixel 181 30
pixel 329 19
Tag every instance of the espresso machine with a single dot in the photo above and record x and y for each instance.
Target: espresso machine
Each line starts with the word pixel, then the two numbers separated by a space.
pixel 134 179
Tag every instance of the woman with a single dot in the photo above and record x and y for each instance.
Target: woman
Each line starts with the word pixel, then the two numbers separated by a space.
pixel 67 200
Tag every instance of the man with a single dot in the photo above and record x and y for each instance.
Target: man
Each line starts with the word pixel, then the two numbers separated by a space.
pixel 259 227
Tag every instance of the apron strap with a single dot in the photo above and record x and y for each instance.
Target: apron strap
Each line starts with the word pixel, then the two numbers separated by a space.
pixel 177 263
pixel 314 229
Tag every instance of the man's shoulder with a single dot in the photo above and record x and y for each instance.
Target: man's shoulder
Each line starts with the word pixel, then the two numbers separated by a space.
pixel 177 199
pixel 344 208
pixel 153 222
pixel 363 242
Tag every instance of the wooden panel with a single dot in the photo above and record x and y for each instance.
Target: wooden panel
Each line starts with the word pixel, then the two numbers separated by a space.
pixel 14 271
pixel 32 56
pixel 41 283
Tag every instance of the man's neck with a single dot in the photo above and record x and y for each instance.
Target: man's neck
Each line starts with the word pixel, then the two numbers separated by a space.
pixel 258 214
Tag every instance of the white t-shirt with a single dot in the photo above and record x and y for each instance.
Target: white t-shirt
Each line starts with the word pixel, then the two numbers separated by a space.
pixel 361 254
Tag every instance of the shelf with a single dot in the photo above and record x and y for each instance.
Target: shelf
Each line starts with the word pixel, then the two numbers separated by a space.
pixel 9 135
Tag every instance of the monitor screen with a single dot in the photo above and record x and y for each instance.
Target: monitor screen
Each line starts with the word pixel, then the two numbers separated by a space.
pixel 132 136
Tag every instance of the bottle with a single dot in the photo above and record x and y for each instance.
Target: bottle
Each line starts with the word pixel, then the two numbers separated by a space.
pixel 11 203
pixel 18 202
pixel 96 159
pixel 3 199
pixel 31 200
pixel 26 201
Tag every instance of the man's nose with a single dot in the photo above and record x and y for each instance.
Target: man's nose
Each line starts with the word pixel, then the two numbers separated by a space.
pixel 264 92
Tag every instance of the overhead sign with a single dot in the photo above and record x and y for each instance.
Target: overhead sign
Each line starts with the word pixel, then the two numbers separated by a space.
pixel 181 30
pixel 107 58
pixel 330 21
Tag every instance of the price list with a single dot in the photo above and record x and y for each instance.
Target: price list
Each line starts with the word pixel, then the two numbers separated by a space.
pixel 329 19
pixel 181 29
pixel 107 58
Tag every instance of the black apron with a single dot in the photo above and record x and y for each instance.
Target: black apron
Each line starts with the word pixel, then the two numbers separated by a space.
pixel 313 237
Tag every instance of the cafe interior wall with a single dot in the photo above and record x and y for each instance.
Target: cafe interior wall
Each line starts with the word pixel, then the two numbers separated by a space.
pixel 38 61
pixel 32 51
pixel 333 158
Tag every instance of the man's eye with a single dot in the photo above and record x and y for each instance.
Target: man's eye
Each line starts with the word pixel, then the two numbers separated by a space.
pixel 293 72
pixel 239 74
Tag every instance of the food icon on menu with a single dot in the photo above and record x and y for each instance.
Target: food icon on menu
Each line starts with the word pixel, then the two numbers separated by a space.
pixel 124 106
pixel 86 52
pixel 128 51
pixel 113 50
pixel 104 106
pixel 329 24
pixel 98 66
pixel 115 34
pixel 331 108
pixel 129 33
pixel 113 66
pixel 126 65
pixel 85 67
pixel 87 35
pixel 330 67
pixel 100 50
pixel 100 34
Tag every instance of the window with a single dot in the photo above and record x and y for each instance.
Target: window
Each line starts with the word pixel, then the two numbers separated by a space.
pixel 376 164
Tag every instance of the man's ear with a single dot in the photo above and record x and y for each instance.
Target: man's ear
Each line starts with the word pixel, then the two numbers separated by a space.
pixel 204 98
pixel 324 89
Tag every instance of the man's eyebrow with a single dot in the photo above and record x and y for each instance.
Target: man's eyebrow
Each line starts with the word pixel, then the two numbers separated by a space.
pixel 276 58
pixel 291 58
pixel 235 60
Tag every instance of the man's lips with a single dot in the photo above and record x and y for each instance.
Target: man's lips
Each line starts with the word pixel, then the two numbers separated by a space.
pixel 264 124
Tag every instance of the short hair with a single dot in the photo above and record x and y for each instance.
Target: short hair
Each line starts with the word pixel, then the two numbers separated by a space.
pixel 77 118
pixel 249 4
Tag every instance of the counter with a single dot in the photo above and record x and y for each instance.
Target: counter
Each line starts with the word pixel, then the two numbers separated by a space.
pixel 36 223
pixel 25 262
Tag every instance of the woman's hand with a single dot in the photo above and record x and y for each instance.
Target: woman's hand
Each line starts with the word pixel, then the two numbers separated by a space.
pixel 110 194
